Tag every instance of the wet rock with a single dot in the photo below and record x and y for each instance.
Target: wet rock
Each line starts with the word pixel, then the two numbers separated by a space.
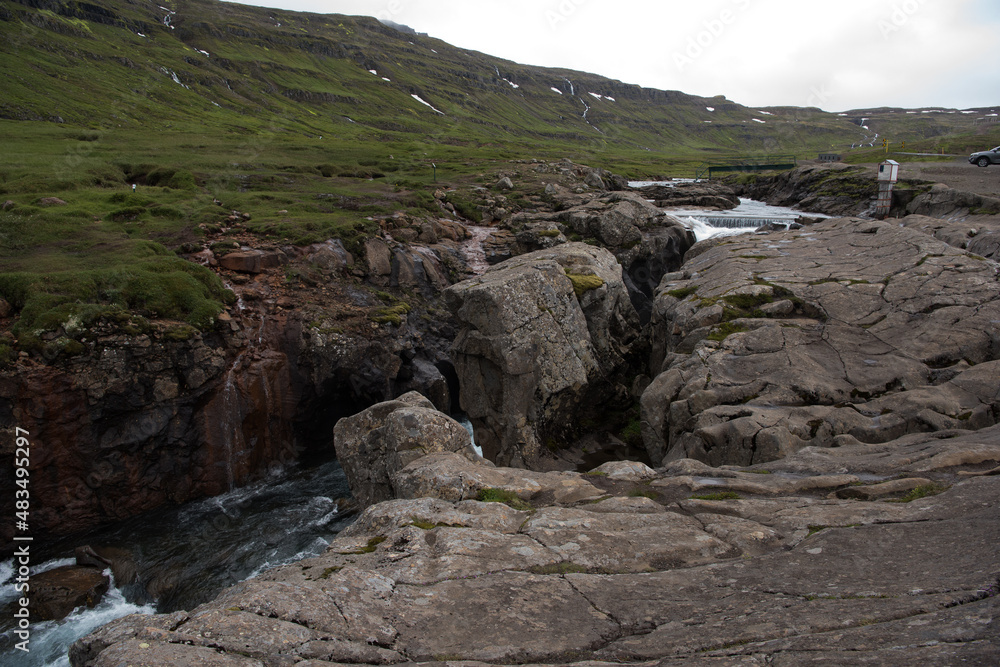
pixel 787 574
pixel 717 196
pixel 57 592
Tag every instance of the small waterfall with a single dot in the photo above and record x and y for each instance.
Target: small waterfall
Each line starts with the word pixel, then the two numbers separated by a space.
pixel 743 223
pixel 232 426
pixel 472 249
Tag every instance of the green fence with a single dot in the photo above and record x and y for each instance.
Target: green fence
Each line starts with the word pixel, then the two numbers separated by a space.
pixel 746 163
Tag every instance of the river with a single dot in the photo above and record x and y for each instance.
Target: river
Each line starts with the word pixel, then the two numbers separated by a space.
pixel 186 555
pixel 747 217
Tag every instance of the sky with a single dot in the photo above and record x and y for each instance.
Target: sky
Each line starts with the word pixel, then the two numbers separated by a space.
pixel 832 54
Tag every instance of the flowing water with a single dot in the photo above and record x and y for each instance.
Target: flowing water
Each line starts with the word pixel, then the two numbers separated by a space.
pixel 749 216
pixel 186 555
pixel 472 249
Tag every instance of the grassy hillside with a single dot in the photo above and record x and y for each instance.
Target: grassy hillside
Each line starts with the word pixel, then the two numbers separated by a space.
pixel 314 125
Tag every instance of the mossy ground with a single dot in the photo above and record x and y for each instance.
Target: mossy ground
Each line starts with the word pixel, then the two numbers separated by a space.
pixel 232 111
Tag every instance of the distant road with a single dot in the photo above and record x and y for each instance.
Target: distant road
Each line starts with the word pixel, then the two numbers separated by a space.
pixel 929 154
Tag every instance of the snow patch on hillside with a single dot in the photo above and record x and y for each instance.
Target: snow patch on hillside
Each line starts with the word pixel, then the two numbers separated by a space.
pixel 425 103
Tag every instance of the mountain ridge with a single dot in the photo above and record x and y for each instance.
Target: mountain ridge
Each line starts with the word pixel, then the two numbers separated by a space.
pixel 231 58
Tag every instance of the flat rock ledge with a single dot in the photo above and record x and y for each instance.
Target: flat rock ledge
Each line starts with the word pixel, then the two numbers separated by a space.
pixel 865 554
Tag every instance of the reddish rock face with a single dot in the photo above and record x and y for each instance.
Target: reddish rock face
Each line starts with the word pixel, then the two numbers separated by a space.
pixel 55 593
pixel 147 422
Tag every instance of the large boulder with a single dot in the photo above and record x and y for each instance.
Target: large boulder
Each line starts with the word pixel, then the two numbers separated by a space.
pixel 57 592
pixel 375 444
pixel 547 338
pixel 853 331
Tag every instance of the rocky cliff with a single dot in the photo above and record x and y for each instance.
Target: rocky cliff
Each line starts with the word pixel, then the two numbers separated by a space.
pixel 820 407
pixel 147 413
pixel 841 555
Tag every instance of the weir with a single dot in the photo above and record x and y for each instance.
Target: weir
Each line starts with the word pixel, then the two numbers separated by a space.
pixel 742 222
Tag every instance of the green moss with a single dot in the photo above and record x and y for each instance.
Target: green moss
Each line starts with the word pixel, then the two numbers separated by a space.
pixel 584 283
pixel 549 233
pixel 509 498
pixel 815 529
pixel 724 330
pixel 683 293
pixel 721 495
pixel 368 548
pixel 7 355
pixel 922 491
pixel 180 333
pixel 392 315
pixel 640 492
pixel 558 568
pixel 748 301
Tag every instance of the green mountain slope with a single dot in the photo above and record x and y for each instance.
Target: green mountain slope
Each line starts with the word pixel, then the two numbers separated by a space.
pixel 230 68
pixel 316 126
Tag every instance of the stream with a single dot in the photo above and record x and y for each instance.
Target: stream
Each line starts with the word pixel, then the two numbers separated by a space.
pixel 186 555
pixel 747 217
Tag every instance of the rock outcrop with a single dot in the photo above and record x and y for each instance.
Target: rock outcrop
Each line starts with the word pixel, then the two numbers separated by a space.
pixel 835 189
pixel 147 420
pixel 710 195
pixel 695 565
pixel 375 444
pixel 979 235
pixel 942 201
pixel 851 331
pixel 545 338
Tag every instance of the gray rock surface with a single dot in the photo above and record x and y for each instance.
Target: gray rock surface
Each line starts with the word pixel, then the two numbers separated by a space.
pixel 545 337
pixel 943 201
pixel 782 572
pixel 382 440
pixel 851 331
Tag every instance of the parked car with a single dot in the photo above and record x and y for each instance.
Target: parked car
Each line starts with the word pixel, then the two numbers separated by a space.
pixel 986 158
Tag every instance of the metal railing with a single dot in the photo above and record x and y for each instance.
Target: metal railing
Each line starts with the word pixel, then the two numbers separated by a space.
pixel 746 163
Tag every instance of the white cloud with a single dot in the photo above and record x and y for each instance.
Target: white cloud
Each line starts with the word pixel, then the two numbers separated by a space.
pixel 835 55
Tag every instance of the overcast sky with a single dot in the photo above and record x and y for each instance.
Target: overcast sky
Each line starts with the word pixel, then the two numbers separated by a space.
pixel 834 54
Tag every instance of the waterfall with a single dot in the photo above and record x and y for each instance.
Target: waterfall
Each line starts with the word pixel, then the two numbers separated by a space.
pixel 730 222
pixel 472 249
